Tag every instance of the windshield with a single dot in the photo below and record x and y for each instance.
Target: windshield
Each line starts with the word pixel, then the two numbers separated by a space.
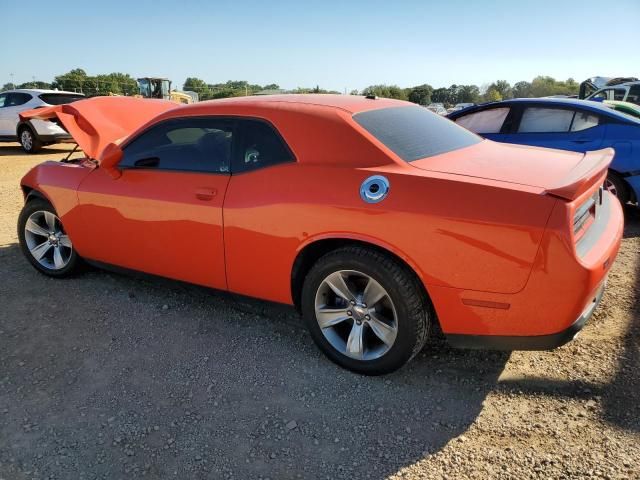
pixel 414 132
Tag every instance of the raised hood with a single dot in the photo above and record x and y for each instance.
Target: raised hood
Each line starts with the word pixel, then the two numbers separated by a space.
pixel 95 122
pixel 558 172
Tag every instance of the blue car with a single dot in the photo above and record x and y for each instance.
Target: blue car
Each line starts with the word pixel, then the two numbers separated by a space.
pixel 566 124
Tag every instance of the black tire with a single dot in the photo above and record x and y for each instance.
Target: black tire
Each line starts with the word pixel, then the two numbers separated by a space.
pixel 618 187
pixel 414 312
pixel 40 205
pixel 29 140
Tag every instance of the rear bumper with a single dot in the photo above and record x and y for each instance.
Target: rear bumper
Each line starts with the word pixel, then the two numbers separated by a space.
pixel 536 342
pixel 563 289
pixel 46 131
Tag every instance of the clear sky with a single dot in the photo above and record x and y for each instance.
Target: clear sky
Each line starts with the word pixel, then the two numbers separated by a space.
pixel 335 44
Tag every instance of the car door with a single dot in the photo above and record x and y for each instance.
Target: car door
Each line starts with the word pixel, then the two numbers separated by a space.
pixel 564 128
pixel 163 213
pixel 4 128
pixel 490 123
pixel 14 103
pixel 254 210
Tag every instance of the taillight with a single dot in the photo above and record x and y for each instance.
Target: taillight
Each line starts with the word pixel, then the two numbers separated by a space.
pixel 585 214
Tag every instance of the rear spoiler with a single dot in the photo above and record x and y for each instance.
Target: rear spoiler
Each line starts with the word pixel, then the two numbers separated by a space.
pixel 593 166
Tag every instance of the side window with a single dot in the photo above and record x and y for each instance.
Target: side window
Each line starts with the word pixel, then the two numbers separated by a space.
pixel 545 120
pixel 190 144
pixel 260 146
pixel 618 94
pixel 17 99
pixel 604 95
pixel 3 99
pixel 634 94
pixel 584 120
pixel 486 121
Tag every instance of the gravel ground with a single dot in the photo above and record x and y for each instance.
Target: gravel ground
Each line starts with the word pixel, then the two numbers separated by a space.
pixel 112 376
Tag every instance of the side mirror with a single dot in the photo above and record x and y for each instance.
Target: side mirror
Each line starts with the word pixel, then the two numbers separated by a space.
pixel 109 159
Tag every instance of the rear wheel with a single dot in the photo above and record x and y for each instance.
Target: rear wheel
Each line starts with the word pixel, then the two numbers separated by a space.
pixel 616 186
pixel 29 141
pixel 44 241
pixel 366 311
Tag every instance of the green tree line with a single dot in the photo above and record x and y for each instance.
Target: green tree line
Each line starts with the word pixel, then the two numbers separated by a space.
pixel 77 80
pixel 541 86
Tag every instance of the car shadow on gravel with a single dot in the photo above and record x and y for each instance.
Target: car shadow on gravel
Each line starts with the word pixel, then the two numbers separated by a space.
pixel 621 401
pixel 620 398
pixel 113 375
pixel 632 221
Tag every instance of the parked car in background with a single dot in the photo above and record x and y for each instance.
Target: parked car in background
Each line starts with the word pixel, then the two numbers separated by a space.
pixel 567 124
pixel 437 108
pixel 624 107
pixel 593 84
pixel 32 134
pixel 424 222
pixel 624 92
pixel 460 106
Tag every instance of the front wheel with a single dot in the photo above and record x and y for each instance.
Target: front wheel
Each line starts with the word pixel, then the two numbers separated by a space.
pixel 365 310
pixel 44 241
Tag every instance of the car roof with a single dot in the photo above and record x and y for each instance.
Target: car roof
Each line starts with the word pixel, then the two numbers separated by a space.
pixel 349 103
pixel 40 91
pixel 596 107
pixel 625 84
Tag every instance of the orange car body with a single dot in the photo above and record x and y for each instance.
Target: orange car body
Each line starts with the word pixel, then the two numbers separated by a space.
pixel 488 229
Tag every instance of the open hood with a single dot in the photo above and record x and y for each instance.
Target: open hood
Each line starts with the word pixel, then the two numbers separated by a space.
pixel 95 122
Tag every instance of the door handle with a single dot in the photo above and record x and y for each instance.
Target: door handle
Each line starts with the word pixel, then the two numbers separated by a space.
pixel 581 140
pixel 205 193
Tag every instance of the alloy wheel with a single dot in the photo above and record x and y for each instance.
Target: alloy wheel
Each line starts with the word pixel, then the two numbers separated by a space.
pixel 356 315
pixel 47 241
pixel 26 139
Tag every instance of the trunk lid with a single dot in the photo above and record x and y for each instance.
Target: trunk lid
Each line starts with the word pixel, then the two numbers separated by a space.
pixel 559 172
pixel 95 122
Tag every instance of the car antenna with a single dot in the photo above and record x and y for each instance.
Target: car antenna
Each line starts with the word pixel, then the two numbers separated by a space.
pixel 66 159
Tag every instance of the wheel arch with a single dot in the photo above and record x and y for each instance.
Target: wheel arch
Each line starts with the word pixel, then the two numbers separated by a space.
pixel 623 178
pixel 30 193
pixel 25 124
pixel 313 249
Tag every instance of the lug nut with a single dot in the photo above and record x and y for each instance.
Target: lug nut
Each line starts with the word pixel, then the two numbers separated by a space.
pixel 349 312
pixel 367 317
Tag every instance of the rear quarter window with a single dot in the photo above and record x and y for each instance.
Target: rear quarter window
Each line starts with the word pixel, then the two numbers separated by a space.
pixel 485 121
pixel 414 132
pixel 59 98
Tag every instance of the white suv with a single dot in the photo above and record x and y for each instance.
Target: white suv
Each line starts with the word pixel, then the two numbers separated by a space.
pixel 32 134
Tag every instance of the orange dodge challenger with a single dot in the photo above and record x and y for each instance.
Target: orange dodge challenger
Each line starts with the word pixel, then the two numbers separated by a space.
pixel 376 218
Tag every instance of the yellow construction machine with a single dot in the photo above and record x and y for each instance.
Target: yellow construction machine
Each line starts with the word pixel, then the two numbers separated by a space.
pixel 155 87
